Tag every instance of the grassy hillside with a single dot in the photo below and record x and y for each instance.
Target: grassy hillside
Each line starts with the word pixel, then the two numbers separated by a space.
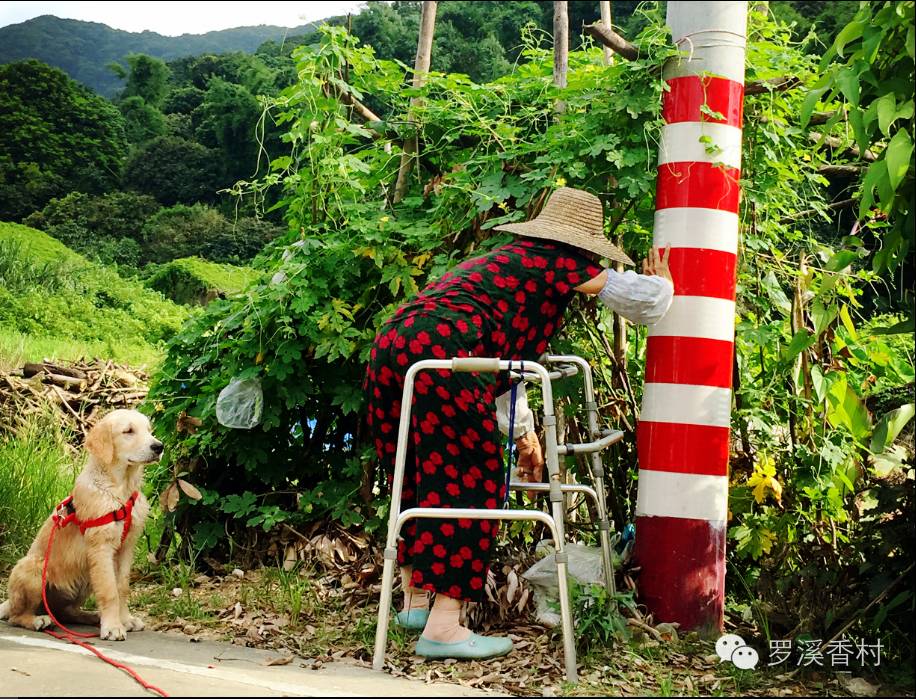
pixel 193 281
pixel 84 49
pixel 54 303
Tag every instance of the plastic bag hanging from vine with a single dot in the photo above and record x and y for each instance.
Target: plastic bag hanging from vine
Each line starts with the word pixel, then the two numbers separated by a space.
pixel 241 404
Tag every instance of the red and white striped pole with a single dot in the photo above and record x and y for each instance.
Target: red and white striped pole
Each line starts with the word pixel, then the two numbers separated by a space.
pixel 683 433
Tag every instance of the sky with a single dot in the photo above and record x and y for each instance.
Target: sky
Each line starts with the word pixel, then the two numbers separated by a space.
pixel 174 18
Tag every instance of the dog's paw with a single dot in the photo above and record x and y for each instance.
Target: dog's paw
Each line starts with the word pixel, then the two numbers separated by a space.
pixel 133 623
pixel 42 622
pixel 113 633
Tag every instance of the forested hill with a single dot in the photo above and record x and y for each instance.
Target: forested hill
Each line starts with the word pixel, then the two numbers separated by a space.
pixel 84 49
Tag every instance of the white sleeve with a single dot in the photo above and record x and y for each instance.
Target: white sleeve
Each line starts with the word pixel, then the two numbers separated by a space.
pixel 641 298
pixel 524 418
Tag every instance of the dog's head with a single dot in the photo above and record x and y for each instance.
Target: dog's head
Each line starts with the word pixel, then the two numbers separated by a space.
pixel 123 438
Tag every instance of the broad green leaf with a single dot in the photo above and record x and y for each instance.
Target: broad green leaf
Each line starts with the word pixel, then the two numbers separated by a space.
pixel 801 341
pixel 851 31
pixel 898 157
pixel 904 326
pixel 841 260
pixel 890 426
pixel 822 316
pixel 818 382
pixel 811 100
pixel 857 121
pixel 875 173
pixel 848 82
pixel 776 294
pixel 847 322
pixel 887 112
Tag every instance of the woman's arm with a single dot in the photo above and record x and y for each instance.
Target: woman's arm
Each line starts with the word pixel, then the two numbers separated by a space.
pixel 642 298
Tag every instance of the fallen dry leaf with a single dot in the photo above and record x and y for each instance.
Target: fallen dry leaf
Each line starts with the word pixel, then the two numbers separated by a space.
pixel 281 660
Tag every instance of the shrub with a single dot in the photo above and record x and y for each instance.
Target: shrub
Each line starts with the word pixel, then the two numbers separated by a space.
pixel 193 281
pixel 104 228
pixel 173 171
pixel 186 231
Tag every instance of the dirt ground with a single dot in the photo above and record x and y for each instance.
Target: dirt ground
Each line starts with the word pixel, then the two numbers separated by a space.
pixel 319 619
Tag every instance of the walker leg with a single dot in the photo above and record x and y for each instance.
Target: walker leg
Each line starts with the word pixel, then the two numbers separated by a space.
pixel 569 639
pixel 606 553
pixel 381 630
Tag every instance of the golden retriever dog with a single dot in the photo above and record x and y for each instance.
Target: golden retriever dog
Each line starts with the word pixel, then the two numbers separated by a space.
pixel 96 561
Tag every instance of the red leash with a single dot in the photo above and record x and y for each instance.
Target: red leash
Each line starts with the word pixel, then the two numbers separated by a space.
pixel 73 636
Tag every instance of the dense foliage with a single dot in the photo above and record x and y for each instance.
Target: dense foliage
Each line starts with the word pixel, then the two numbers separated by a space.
pixel 820 394
pixel 56 136
pixel 133 230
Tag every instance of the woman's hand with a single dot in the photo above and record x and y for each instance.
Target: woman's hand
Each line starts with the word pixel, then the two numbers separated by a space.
pixel 657 263
pixel 530 467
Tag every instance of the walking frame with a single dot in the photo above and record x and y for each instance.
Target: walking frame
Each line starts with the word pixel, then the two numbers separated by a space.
pixel 564 366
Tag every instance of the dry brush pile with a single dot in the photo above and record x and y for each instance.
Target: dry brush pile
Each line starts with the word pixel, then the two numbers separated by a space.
pixel 80 393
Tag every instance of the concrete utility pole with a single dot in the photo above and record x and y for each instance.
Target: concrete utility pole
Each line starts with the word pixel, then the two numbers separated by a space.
pixel 421 68
pixel 683 433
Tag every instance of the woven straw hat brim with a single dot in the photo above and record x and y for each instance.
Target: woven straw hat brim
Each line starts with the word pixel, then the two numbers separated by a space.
pixel 571 235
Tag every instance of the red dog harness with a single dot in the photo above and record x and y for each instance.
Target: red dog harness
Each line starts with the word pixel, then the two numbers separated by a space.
pixel 65 513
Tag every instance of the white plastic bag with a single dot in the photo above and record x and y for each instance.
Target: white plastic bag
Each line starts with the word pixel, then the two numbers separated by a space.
pixel 586 566
pixel 240 404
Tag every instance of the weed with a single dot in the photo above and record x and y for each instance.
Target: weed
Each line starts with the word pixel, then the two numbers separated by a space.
pixel 36 473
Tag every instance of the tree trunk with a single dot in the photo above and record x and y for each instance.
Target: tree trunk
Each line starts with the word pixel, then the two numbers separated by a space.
pixel 607 22
pixel 421 68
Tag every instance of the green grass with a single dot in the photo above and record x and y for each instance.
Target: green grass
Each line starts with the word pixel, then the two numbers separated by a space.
pixel 191 280
pixel 36 473
pixel 17 348
pixel 54 302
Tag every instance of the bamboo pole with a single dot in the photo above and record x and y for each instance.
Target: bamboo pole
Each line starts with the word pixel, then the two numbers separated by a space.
pixel 560 42
pixel 606 21
pixel 421 68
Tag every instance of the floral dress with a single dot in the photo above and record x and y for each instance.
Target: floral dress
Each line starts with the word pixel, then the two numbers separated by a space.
pixel 507 303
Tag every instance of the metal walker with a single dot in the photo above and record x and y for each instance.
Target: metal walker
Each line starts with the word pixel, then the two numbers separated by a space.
pixel 564 366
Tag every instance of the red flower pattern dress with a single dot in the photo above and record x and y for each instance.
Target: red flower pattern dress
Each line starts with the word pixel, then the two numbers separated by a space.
pixel 507 303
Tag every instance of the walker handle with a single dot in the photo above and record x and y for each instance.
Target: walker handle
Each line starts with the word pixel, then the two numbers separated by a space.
pixel 488 364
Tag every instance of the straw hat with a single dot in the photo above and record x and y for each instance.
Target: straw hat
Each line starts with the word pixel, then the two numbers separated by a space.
pixel 573 217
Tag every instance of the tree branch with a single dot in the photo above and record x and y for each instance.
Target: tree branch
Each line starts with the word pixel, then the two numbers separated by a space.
pixel 810 212
pixel 771 85
pixel 840 170
pixel 834 142
pixel 608 37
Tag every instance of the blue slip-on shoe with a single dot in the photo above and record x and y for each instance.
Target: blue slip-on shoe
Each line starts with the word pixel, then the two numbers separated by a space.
pixel 412 619
pixel 473 648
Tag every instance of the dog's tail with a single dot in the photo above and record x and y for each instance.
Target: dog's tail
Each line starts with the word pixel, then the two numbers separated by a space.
pixel 5 610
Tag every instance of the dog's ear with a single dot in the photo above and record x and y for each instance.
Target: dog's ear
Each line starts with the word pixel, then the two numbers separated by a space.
pixel 100 442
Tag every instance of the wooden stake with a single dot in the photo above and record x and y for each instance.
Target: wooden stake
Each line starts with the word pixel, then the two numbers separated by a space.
pixel 421 68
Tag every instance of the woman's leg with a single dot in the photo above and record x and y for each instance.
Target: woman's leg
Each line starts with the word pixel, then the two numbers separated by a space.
pixel 443 625
pixel 414 598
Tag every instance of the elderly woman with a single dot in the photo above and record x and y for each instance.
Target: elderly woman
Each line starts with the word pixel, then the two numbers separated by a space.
pixel 506 303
